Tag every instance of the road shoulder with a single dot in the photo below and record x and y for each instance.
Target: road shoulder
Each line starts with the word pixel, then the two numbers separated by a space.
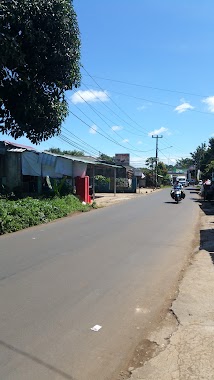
pixel 187 352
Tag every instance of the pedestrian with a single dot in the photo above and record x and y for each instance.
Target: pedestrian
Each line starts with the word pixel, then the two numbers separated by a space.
pixel 207 185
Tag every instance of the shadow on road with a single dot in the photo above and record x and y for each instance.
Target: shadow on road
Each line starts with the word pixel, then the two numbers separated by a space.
pixel 172 203
pixel 207 235
pixel 207 207
pixel 50 367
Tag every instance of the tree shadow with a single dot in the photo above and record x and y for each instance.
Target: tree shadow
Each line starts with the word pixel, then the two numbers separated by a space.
pixel 207 207
pixel 33 358
pixel 207 235
pixel 207 242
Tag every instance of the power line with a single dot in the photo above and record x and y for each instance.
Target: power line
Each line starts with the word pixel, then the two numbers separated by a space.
pixel 148 100
pixel 151 101
pixel 101 118
pixel 136 97
pixel 159 103
pixel 114 141
pixel 150 87
pixel 126 113
pixel 78 138
pixel 119 117
pixel 108 138
pixel 136 134
pixel 112 100
pixel 73 144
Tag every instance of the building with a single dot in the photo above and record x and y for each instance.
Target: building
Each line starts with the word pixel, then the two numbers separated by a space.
pixel 24 170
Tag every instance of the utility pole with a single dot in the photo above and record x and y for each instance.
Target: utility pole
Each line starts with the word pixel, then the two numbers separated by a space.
pixel 156 158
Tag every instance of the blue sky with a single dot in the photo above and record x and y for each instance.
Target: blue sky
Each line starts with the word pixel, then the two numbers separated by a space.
pixel 147 70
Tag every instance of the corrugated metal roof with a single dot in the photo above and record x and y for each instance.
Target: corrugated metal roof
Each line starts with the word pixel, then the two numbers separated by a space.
pixel 25 147
pixel 16 150
pixel 110 165
pixel 80 159
pixel 83 159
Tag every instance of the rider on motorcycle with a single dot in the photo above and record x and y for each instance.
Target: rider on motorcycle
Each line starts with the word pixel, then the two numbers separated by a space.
pixel 177 186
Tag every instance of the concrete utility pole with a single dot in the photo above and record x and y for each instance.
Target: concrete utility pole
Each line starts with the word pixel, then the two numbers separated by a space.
pixel 156 158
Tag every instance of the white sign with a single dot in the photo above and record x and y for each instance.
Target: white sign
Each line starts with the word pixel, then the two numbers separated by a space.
pixel 138 173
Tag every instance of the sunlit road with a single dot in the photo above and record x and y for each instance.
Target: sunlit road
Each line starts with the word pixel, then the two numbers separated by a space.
pixel 114 267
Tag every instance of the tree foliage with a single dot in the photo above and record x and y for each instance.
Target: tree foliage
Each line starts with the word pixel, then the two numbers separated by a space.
pixel 150 162
pixel 39 61
pixel 184 163
pixel 203 158
pixel 162 171
pixel 209 169
pixel 76 153
pixel 106 158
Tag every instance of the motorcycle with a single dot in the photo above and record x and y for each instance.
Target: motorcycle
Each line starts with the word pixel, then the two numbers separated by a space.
pixel 177 194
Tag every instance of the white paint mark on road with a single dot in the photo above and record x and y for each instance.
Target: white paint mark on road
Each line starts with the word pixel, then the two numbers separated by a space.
pixel 96 328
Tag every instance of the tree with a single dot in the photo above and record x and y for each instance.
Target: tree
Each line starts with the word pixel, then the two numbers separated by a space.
pixel 170 167
pixel 184 163
pixel 209 169
pixel 207 159
pixel 200 157
pixel 76 153
pixel 39 61
pixel 106 158
pixel 162 171
pixel 150 162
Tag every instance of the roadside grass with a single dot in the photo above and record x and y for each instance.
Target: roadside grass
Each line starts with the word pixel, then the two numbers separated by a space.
pixel 16 215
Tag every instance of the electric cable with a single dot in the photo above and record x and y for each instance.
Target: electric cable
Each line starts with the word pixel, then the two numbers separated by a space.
pixel 150 87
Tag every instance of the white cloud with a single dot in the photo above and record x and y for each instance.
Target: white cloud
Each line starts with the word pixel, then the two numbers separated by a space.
pixel 209 102
pixel 183 107
pixel 125 141
pixel 93 129
pixel 89 96
pixel 158 131
pixel 116 128
pixel 139 142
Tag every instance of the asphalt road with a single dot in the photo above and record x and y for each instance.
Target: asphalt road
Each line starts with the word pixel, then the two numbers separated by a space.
pixel 115 267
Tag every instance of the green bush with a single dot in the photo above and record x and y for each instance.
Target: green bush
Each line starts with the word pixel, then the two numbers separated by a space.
pixel 23 213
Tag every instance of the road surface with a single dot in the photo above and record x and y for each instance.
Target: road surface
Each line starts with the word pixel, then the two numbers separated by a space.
pixel 115 267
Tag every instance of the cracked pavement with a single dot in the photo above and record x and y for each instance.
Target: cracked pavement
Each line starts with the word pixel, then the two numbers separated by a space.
pixel 186 353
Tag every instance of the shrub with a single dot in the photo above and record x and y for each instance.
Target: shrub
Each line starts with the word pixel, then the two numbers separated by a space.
pixel 27 212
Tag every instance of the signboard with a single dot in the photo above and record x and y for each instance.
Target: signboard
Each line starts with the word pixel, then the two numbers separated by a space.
pixel 122 159
pixel 138 173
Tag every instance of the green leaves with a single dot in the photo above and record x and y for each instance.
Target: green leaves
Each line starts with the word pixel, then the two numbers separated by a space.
pixel 39 61
pixel 16 215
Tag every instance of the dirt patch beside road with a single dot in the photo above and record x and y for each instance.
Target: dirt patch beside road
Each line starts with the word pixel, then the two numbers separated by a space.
pixel 109 199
